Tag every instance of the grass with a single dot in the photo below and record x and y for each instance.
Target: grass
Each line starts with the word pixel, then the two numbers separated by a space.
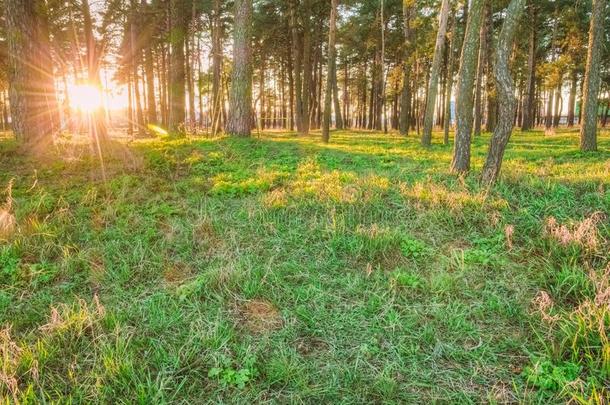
pixel 279 269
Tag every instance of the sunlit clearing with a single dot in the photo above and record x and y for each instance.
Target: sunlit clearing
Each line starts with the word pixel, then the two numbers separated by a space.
pixel 85 97
pixel 157 130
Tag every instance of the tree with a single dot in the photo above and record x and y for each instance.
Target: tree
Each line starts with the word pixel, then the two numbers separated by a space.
pixel 240 99
pixel 98 117
pixel 331 77
pixel 434 74
pixel 588 130
pixel 177 77
pixel 465 95
pixel 530 87
pixel 405 96
pixel 34 110
pixel 507 102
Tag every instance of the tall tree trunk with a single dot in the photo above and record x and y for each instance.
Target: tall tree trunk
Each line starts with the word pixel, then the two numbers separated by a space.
pixel 548 123
pixel 307 67
pixel 135 60
pixel 98 116
pixel 150 82
pixel 405 95
pixel 33 102
pixel 216 69
pixel 331 75
pixel 382 94
pixel 506 89
pixel 129 107
pixel 491 118
pixel 478 106
pixel 572 99
pixel 240 98
pixel 456 45
pixel 588 130
pixel 558 104
pixel 337 104
pixel 448 89
pixel 189 79
pixel 529 105
pixel 291 86
pixel 261 93
pixel 434 74
pixel 177 77
pixel 468 60
pixel 297 46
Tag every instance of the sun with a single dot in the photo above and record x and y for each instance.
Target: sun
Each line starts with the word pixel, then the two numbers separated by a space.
pixel 85 97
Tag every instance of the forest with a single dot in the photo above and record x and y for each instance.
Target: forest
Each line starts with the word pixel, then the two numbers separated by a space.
pixel 300 201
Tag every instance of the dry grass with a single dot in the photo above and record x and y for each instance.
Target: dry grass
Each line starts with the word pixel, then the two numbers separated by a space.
pixel 583 233
pixel 8 224
pixel 260 316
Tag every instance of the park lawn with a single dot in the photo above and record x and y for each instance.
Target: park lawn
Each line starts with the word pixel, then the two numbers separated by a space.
pixel 280 269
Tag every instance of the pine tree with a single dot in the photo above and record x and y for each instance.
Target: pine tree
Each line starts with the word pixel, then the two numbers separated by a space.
pixel 588 131
pixel 465 87
pixel 240 99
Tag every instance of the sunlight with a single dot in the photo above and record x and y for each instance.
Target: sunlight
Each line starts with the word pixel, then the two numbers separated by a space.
pixel 85 97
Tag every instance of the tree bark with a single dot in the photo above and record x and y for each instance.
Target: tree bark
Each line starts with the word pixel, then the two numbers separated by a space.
pixel 216 69
pixel 331 77
pixel 33 102
pixel 506 90
pixel 177 75
pixel 405 95
pixel 426 139
pixel 98 116
pixel 240 98
pixel 572 99
pixel 307 68
pixel 336 102
pixel 297 47
pixel 478 103
pixel 491 117
pixel 588 130
pixel 530 87
pixel 468 60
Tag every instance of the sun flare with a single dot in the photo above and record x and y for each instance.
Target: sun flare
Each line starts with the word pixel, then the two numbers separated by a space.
pixel 85 97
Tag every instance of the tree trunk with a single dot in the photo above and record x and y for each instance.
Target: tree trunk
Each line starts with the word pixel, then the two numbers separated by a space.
pixel 426 139
pixel 33 102
pixel 307 67
pixel 297 47
pixel 548 123
pixel 240 98
pixel 337 105
pixel 98 116
pixel 177 75
pixel 331 75
pixel 506 91
pixel 558 104
pixel 405 95
pixel 491 118
pixel 468 60
pixel 448 89
pixel 192 121
pixel 588 130
pixel 478 106
pixel 572 99
pixel 530 87
pixel 216 69
pixel 291 86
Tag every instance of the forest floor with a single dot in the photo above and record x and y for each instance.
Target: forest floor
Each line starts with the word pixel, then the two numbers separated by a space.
pixel 281 269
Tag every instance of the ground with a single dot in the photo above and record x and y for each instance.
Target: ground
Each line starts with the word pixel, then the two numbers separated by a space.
pixel 284 270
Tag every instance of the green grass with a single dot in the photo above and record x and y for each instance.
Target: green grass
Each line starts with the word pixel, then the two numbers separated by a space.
pixel 279 269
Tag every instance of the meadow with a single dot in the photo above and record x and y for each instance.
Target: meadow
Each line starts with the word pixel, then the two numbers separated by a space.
pixel 281 269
